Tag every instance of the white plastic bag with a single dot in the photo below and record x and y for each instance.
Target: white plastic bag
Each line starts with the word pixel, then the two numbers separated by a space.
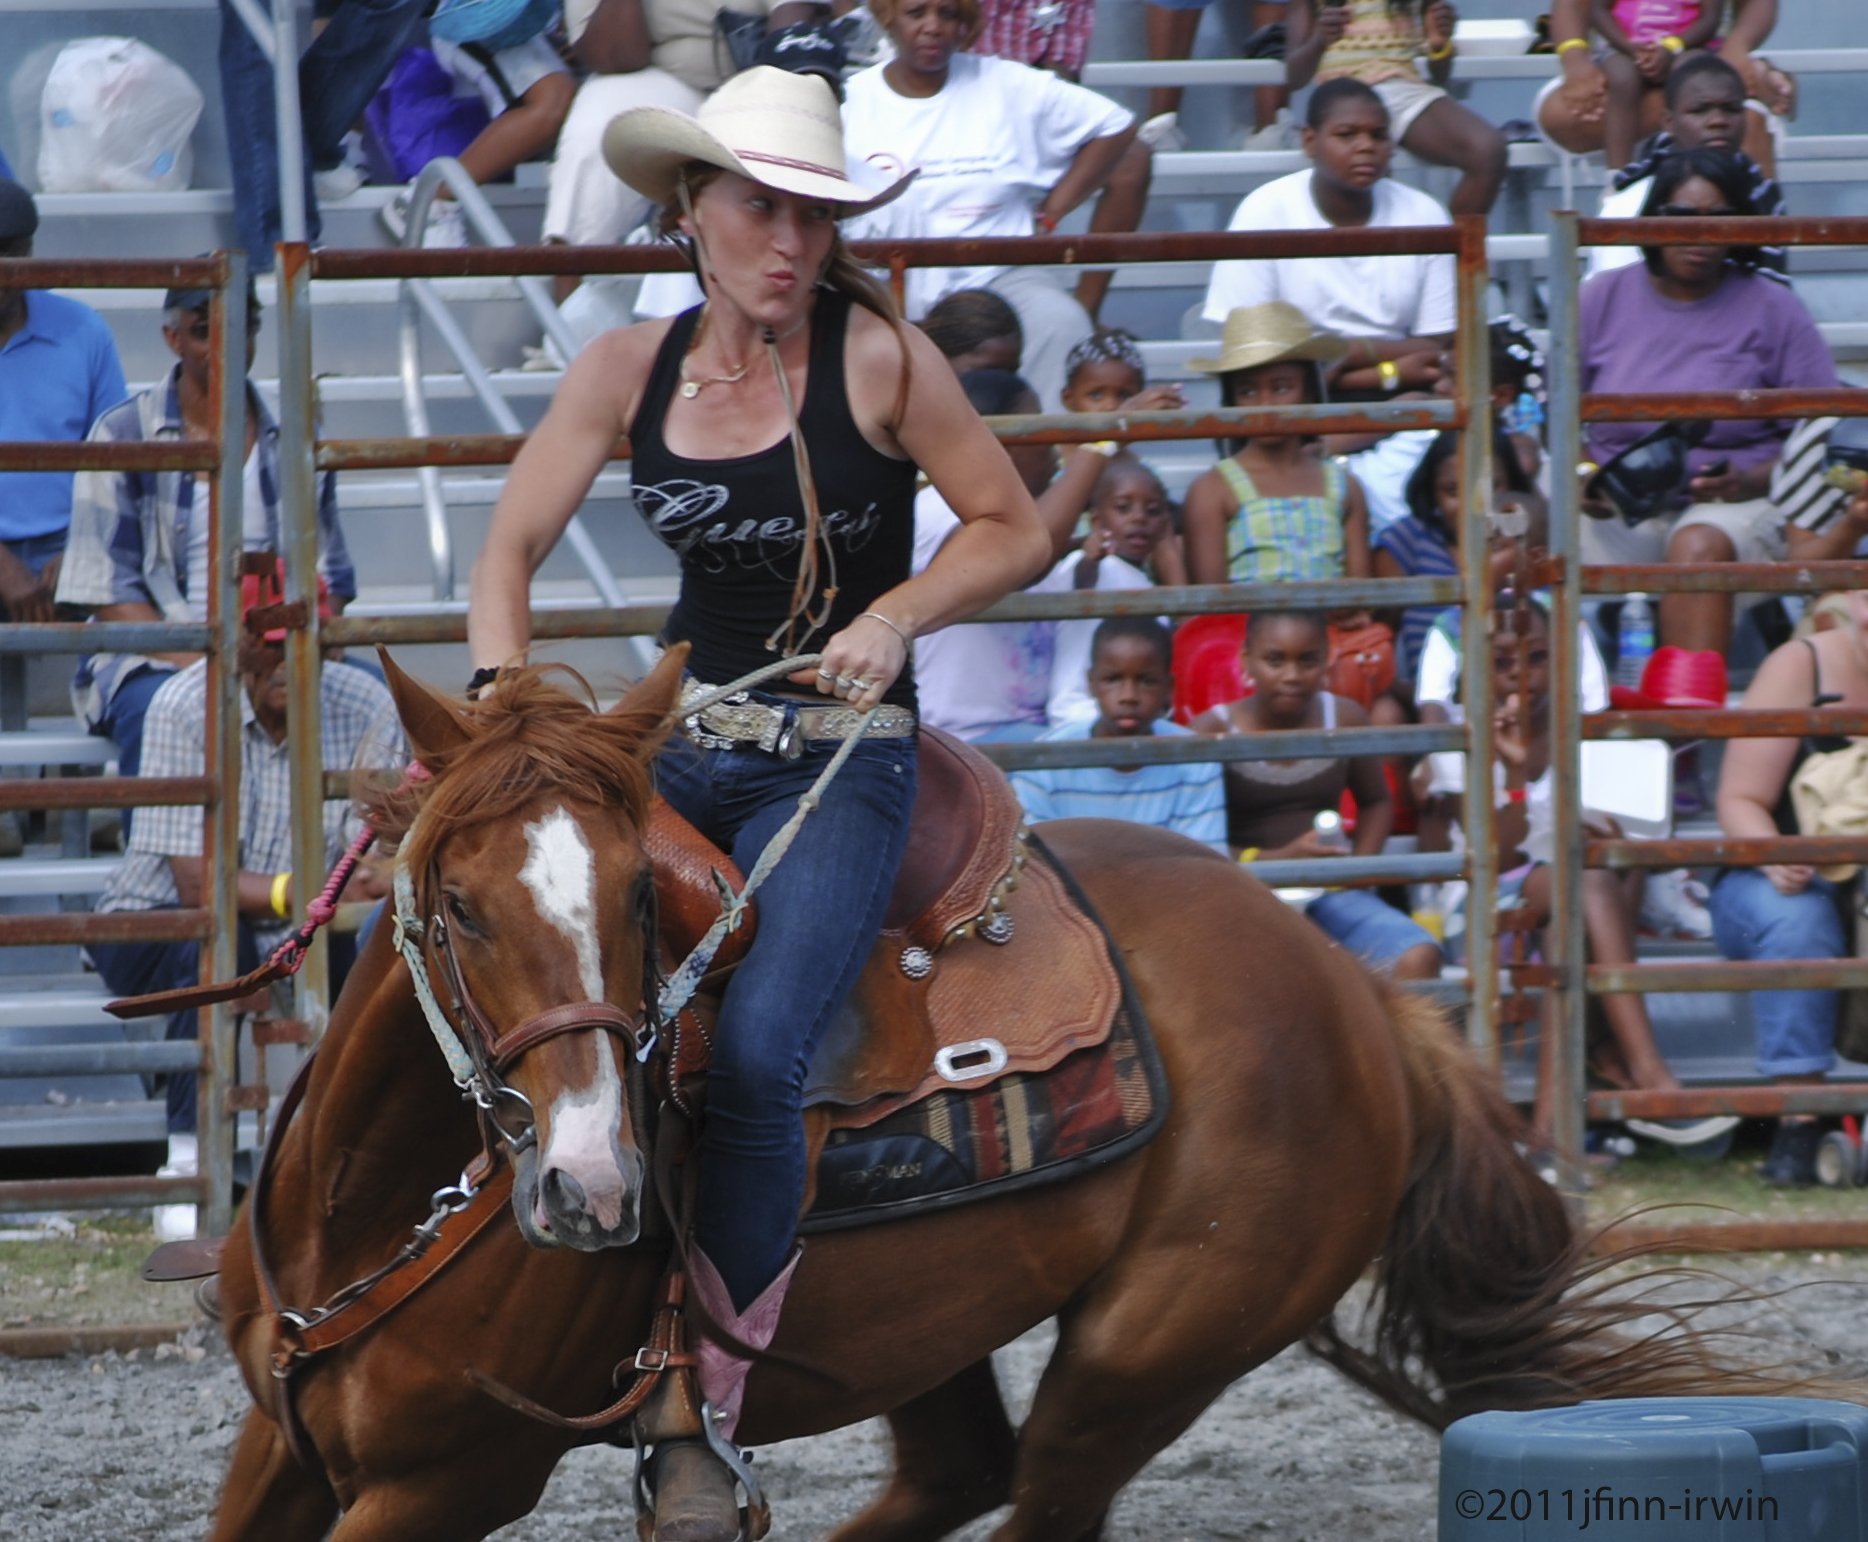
pixel 116 117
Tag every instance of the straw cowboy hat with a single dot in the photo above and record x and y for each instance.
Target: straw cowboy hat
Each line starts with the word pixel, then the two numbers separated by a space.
pixel 1271 333
pixel 770 125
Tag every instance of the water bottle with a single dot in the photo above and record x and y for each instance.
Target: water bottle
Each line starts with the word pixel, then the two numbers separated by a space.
pixel 1634 641
pixel 1330 833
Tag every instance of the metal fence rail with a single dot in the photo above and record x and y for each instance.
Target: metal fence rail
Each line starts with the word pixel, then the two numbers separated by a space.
pixel 214 925
pixel 1469 410
pixel 1569 975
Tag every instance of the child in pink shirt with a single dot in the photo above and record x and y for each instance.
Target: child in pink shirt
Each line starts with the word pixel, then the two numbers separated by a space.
pixel 1646 39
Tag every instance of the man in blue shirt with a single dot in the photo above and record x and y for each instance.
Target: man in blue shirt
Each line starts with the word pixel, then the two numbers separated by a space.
pixel 58 371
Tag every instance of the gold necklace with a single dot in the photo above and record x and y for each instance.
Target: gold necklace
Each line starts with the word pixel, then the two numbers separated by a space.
pixel 691 388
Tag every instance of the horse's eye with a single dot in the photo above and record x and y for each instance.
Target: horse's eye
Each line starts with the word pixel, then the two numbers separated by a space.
pixel 459 913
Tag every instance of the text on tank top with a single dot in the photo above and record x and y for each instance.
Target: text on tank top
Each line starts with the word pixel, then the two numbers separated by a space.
pixel 737 525
pixel 1270 803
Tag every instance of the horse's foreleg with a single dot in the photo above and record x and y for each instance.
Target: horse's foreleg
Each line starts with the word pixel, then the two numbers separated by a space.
pixel 953 1462
pixel 268 1497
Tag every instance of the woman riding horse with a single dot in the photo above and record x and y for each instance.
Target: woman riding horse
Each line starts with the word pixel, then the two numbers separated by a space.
pixel 776 432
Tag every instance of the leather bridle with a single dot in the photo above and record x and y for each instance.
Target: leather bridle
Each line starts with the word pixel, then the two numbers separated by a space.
pixel 494 1052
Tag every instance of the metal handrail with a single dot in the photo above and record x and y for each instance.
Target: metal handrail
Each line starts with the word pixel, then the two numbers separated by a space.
pixel 417 295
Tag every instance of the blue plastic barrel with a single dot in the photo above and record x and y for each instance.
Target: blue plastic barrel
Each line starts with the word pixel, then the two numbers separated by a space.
pixel 1739 1469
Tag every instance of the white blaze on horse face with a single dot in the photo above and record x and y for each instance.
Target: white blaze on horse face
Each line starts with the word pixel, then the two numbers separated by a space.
pixel 562 875
pixel 585 1122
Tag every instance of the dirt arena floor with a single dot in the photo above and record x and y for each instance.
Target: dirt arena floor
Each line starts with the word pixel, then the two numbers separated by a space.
pixel 130 1448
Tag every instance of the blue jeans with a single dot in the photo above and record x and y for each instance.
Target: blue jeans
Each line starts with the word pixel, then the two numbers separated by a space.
pixel 1367 925
pixel 819 913
pixel 142 968
pixel 1751 920
pixel 122 722
pixel 337 76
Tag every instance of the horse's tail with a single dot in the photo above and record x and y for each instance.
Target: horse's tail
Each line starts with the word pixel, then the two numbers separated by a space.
pixel 1486 1295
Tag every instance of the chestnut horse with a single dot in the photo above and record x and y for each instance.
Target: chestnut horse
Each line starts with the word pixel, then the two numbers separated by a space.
pixel 1171 1272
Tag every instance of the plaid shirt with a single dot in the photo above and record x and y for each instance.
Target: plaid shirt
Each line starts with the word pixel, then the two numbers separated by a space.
pixel 129 532
pixel 1050 34
pixel 360 727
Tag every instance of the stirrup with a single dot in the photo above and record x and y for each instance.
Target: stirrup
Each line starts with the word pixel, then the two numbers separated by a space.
pixel 755 1515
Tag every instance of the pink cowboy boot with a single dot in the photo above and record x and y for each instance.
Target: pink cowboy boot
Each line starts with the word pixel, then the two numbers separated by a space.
pixel 694 1479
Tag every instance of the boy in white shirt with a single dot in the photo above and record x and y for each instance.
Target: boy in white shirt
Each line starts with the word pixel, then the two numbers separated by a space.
pixel 1401 312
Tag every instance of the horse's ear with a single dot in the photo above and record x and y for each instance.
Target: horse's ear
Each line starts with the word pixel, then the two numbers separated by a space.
pixel 654 696
pixel 431 722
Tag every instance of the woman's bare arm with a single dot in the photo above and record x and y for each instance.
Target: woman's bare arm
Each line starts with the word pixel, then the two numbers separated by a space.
pixel 549 480
pixel 1093 166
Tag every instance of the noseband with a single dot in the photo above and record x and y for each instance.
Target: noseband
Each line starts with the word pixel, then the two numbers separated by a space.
pixel 477 1051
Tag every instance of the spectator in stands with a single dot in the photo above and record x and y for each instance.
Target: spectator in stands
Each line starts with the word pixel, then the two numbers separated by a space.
pixel 1425 544
pixel 164 868
pixel 527 90
pixel 1272 805
pixel 639 55
pixel 1705 110
pixel 1129 524
pixel 58 371
pixel 1275 509
pixel 139 539
pixel 349 58
pixel 1131 684
pixel 1698 318
pixel 1106 373
pixel 975 329
pixel 990 680
pixel 1572 110
pixel 1525 790
pixel 1054 35
pixel 1399 313
pixel 1376 42
pixel 1790 910
pixel 993 680
pixel 1002 150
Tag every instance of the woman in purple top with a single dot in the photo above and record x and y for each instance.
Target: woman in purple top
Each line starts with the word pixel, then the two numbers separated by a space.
pixel 1700 318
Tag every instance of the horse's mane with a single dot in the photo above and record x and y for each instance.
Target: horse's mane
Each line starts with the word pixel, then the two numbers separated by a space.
pixel 527 736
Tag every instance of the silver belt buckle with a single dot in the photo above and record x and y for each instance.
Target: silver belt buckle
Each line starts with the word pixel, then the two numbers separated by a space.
pixel 791 741
pixel 774 727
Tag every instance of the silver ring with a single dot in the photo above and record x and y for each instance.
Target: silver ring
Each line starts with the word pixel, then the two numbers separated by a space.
pixel 826 674
pixel 860 686
pixel 845 683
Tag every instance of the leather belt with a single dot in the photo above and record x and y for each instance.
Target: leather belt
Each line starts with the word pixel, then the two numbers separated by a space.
pixel 784 730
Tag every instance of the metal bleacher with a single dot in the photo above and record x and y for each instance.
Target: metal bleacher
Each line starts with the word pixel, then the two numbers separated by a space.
pixel 46 998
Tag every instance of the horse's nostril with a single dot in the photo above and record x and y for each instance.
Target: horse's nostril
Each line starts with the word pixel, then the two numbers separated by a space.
pixel 563 1193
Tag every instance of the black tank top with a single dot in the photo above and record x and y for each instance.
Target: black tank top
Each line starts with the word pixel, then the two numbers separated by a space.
pixel 737 525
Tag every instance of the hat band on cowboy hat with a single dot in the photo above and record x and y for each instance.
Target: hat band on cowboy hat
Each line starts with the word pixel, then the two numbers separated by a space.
pixel 769 125
pixel 1272 333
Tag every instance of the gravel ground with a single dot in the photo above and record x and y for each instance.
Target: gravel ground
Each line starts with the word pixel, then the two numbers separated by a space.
pixel 131 1448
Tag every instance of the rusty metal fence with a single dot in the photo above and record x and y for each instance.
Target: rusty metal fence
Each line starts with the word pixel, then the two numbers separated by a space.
pixel 1571 977
pixel 1469 411
pixel 213 923
pixel 1563 972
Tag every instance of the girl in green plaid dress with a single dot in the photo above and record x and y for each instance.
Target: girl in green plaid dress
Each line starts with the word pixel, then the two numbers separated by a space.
pixel 1277 508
